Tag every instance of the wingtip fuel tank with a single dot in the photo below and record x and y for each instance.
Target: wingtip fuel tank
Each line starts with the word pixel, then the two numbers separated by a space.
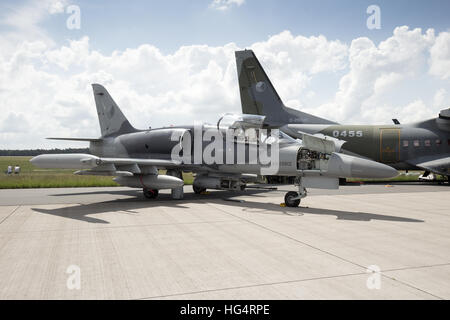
pixel 65 161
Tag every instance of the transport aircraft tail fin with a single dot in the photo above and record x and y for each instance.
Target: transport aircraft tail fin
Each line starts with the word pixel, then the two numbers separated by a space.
pixel 258 95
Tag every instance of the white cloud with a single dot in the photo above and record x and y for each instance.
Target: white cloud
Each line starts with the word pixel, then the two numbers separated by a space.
pixel 45 89
pixel 440 56
pixel 416 110
pixel 23 23
pixel 441 99
pixel 57 6
pixel 377 75
pixel 292 61
pixel 31 13
pixel 224 5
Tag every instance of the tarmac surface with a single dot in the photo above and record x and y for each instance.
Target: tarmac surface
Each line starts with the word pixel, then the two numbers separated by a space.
pixel 111 243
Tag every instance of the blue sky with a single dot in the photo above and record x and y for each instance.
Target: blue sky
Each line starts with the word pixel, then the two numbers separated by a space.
pixel 116 25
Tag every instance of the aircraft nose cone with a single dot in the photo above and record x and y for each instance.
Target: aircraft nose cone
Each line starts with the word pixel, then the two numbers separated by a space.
pixel 363 168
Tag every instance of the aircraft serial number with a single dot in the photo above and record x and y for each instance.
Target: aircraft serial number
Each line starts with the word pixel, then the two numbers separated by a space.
pixel 349 133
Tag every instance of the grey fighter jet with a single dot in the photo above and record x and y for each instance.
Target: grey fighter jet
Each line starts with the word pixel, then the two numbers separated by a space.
pixel 226 155
pixel 424 145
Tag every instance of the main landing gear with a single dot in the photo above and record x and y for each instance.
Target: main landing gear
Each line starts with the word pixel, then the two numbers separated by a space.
pixel 198 190
pixel 177 193
pixel 292 199
pixel 150 193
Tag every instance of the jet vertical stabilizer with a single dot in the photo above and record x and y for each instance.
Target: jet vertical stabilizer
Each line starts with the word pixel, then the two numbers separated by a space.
pixel 111 119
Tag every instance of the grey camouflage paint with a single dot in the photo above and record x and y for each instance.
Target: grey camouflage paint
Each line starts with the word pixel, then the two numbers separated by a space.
pixel 121 140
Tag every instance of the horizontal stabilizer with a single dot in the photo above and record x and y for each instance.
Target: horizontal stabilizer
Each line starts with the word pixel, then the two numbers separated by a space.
pixel 78 139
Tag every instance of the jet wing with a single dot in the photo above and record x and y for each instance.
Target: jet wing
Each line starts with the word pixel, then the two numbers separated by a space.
pixel 296 133
pixel 89 161
pixel 77 139
pixel 140 162
pixel 439 164
pixel 125 167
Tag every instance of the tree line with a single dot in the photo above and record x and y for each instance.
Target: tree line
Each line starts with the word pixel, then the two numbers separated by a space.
pixel 36 152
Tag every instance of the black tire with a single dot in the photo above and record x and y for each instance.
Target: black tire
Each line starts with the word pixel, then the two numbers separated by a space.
pixel 288 199
pixel 198 190
pixel 150 193
pixel 242 187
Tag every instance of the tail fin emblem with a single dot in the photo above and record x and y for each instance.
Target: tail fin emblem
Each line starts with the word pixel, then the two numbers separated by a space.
pixel 261 86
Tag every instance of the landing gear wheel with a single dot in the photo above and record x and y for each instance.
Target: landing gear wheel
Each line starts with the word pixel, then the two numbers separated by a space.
pixel 242 187
pixel 198 190
pixel 150 193
pixel 289 199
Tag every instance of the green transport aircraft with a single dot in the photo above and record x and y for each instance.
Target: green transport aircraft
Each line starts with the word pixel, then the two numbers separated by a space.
pixel 423 145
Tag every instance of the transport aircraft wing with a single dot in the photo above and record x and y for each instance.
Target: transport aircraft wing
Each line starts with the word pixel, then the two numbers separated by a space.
pixel 439 164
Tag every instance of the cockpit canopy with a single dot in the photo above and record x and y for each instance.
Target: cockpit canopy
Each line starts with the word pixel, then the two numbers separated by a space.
pixel 240 121
pixel 250 128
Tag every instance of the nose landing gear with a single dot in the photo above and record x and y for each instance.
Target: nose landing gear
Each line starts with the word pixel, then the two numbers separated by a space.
pixel 292 199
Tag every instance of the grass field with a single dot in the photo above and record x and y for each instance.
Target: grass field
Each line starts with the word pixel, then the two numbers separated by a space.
pixel 32 177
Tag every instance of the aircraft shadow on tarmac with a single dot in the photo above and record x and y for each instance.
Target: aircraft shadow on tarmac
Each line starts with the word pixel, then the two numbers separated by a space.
pixel 165 196
pixel 84 212
pixel 270 208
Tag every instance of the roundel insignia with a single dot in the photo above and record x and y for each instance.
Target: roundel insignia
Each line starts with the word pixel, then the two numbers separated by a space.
pixel 261 86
